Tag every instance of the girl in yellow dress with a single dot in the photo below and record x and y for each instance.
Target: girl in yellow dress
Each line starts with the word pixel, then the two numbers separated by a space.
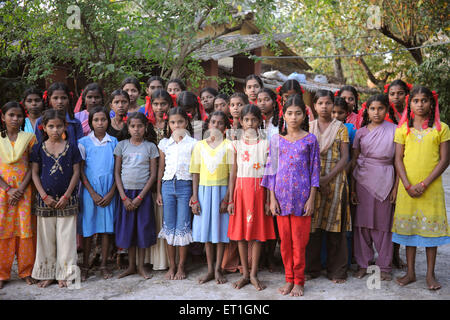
pixel 421 156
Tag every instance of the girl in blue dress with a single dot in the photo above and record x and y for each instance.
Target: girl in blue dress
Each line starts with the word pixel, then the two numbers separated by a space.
pixel 98 203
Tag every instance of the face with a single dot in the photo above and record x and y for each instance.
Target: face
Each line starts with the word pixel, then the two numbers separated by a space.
pixel 99 122
pixel 160 106
pixel 154 85
pixel 13 118
pixel 221 105
pixel 397 96
pixel 287 94
pixel 217 122
pixel 421 105
pixel 323 107
pixel 339 113
pixel 132 91
pixel 92 99
pixel 349 98
pixel 55 128
pixel 236 105
pixel 33 104
pixel 136 128
pixel 377 112
pixel 59 100
pixel 251 89
pixel 177 124
pixel 265 103
pixel 249 121
pixel 120 105
pixel 173 88
pixel 294 116
pixel 207 100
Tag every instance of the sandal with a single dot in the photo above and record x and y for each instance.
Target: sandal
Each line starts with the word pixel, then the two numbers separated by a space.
pixel 106 272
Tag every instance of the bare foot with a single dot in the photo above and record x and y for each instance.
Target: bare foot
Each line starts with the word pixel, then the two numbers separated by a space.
pixel 220 278
pixel 105 272
pixel 432 283
pixel 297 291
pixel 398 263
pixel 45 283
pixel 170 274
pixel 62 283
pixel 284 290
pixel 84 273
pixel 257 284
pixel 361 273
pixel 205 278
pixel 338 281
pixel 385 276
pixel 241 282
pixel 406 279
pixel 127 272
pixel 144 273
pixel 181 274
pixel 2 283
pixel 29 280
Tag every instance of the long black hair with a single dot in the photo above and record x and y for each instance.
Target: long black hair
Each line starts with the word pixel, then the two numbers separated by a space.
pixel 219 113
pixel 355 94
pixel 341 103
pixel 162 94
pixel 323 93
pixel 63 87
pixel 427 92
pixel 155 78
pixel 48 115
pixel 254 110
pixel 32 90
pixel 400 83
pixel 179 82
pixel 188 100
pixel 384 100
pixel 149 134
pixel 95 110
pixel 181 112
pixel 276 111
pixel 131 80
pixel 254 77
pixel 289 85
pixel 294 100
pixel 91 87
pixel 4 110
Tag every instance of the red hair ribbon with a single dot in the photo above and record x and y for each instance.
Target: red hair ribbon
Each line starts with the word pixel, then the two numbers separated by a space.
pixel 40 127
pixel 165 117
pixel 410 86
pixel 149 110
pixel 203 114
pixel 124 119
pixel 278 89
pixel 336 93
pixel 303 90
pixel 264 117
pixel 231 121
pixel 26 112
pixel 404 117
pixel 254 102
pixel 44 96
pixel 71 94
pixel 280 107
pixel 79 103
pixel 189 115
pixel 386 87
pixel 174 99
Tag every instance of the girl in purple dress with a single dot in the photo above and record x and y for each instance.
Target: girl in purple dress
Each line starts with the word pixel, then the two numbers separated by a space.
pixel 374 187
pixel 292 175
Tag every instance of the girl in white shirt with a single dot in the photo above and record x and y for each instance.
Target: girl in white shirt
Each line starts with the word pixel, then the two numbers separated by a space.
pixel 174 189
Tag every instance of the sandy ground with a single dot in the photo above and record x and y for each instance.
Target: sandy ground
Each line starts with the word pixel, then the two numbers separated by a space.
pixel 136 288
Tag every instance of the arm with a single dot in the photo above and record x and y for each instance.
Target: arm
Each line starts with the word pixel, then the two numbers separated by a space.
pixel 309 205
pixel 48 200
pixel 401 171
pixel 117 170
pixel 340 164
pixel 136 201
pixel 161 167
pixel 231 184
pixel 95 196
pixel 193 202
pixel 353 195
pixel 73 183
pixel 106 200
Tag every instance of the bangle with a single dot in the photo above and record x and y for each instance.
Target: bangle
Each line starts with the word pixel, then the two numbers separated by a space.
pixel 195 202
pixel 139 197
pixel 423 185
pixel 7 189
pixel 123 199
pixel 408 187
pixel 230 202
pixel 46 196
pixel 64 196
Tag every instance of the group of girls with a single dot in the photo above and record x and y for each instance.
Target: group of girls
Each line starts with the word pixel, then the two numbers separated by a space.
pixel 235 173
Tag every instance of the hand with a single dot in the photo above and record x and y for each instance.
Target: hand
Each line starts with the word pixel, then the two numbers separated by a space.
pixel 106 200
pixel 324 183
pixel 128 204
pixel 274 207
pixel 393 196
pixel 267 210
pixel 354 198
pixel 231 209
pixel 159 201
pixel 96 198
pixel 136 203
pixel 223 206
pixel 195 205
pixel 62 203
pixel 49 201
pixel 414 191
pixel 308 208
pixel 14 196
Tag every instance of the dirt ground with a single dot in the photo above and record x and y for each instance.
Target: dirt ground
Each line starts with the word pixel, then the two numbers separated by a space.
pixel 136 288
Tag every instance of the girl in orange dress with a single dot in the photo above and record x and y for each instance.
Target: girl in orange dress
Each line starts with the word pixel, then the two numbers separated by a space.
pixel 16 227
pixel 250 218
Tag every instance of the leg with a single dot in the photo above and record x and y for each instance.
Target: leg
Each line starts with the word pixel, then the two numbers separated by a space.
pixel 106 273
pixel 169 225
pixel 172 251
pixel 300 238
pixel 383 244
pixel 131 263
pixel 256 253
pixel 7 253
pixel 363 250
pixel 243 254
pixel 411 272
pixel 87 241
pixel 25 258
pixel 312 255
pixel 397 262
pixel 210 260
pixel 140 268
pixel 337 256
pixel 285 232
pixel 181 270
pixel 218 272
pixel 66 244
pixel 432 283
pixel 45 263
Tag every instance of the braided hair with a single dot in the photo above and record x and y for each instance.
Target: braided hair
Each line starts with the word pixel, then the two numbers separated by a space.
pixel 91 87
pixel 155 78
pixel 384 100
pixel 219 113
pixel 177 81
pixel 276 111
pixel 51 114
pixel 289 85
pixel 254 110
pixel 294 100
pixel 399 83
pixel 63 87
pixel 427 92
pixel 4 110
pixel 149 134
pixel 188 101
pixel 162 94
pixel 133 81
pixel 354 92
pixel 95 110
pixel 181 112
